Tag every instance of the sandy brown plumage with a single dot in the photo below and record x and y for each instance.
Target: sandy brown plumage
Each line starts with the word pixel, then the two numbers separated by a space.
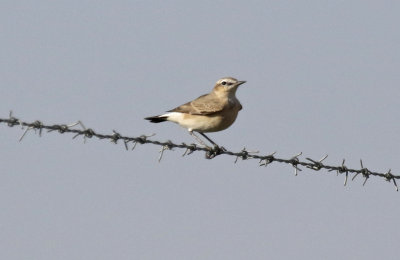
pixel 204 105
pixel 212 112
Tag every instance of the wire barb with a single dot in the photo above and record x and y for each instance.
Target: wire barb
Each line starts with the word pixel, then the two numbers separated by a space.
pixel 126 144
pixel 115 137
pixel 317 164
pixel 364 171
pixel 189 149
pixel 267 159
pixel 389 176
pixel 141 139
pixel 294 161
pixel 167 146
pixel 343 169
pixel 244 154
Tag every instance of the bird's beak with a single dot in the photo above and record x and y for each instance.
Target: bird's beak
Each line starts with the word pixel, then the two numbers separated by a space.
pixel 240 82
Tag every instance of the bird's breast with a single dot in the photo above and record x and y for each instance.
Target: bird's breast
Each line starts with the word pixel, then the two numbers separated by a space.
pixel 215 122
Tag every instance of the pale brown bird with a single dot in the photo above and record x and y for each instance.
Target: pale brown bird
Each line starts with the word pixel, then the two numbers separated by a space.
pixel 212 112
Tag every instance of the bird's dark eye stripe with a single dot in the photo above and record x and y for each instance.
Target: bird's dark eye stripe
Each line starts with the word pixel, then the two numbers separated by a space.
pixel 230 83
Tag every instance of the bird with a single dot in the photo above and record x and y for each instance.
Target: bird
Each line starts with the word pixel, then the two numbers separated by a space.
pixel 212 112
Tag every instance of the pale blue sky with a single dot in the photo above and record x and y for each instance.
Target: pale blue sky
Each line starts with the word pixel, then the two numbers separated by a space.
pixel 322 78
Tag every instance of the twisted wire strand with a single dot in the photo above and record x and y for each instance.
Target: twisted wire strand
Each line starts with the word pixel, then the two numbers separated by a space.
pixel 210 152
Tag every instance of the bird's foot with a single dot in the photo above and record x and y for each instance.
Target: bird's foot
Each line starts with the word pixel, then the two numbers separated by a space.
pixel 214 151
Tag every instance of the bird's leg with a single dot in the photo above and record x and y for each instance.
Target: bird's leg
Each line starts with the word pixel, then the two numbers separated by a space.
pixel 206 137
pixel 211 141
pixel 198 139
pixel 216 150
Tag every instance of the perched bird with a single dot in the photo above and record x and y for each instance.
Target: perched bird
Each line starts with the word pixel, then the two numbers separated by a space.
pixel 211 112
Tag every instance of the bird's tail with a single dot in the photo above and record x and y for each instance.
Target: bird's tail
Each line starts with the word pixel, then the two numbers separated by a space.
pixel 157 119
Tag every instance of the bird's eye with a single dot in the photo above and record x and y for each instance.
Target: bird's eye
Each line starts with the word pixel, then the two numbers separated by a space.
pixel 223 83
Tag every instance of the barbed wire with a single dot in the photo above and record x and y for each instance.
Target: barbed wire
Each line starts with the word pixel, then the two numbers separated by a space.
pixel 210 152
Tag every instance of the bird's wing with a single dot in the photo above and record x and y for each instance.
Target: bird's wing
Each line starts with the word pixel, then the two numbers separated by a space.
pixel 203 105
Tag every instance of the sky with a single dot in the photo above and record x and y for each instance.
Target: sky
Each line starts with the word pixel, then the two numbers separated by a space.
pixel 322 78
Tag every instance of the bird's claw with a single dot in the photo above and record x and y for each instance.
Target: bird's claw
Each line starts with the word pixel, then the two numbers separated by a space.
pixel 214 151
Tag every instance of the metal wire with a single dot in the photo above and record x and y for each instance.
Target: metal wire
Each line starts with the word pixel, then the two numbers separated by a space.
pixel 210 152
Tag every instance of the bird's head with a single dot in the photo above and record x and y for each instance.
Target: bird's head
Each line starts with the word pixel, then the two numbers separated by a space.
pixel 227 85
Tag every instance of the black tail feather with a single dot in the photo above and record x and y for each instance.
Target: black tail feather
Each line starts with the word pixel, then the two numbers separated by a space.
pixel 156 119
